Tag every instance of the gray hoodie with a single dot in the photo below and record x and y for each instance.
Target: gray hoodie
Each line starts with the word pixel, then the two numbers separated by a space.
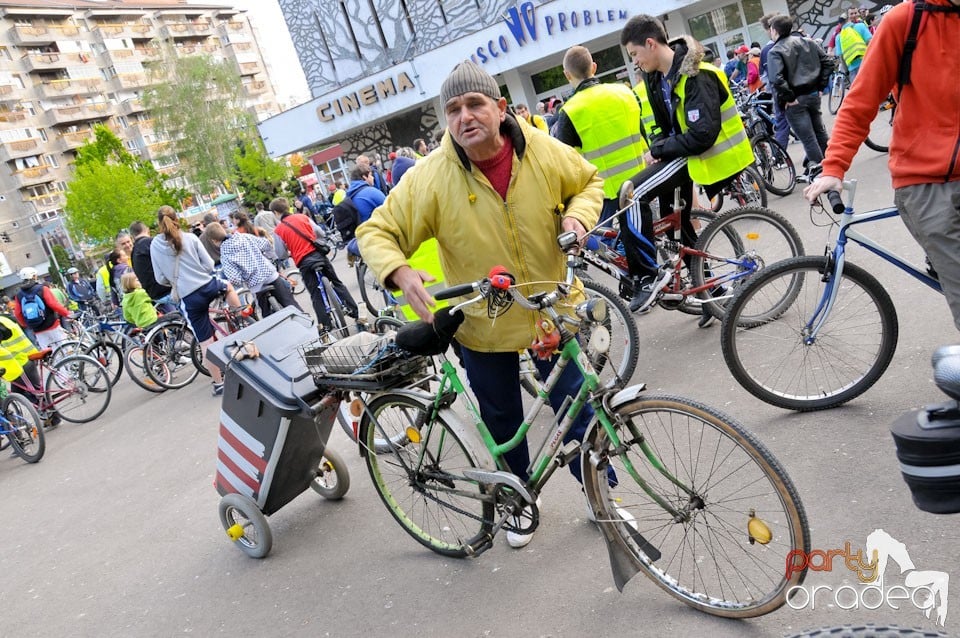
pixel 196 266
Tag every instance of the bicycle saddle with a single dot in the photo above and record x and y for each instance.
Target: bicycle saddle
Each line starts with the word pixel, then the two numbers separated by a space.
pixel 42 354
pixel 946 370
pixel 428 339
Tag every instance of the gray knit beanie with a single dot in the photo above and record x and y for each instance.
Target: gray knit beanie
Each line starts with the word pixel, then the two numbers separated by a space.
pixel 467 77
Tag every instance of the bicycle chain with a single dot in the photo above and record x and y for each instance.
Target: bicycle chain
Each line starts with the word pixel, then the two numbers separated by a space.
pixel 526 529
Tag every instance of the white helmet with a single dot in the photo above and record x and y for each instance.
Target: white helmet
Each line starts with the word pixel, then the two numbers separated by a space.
pixel 71 271
pixel 28 274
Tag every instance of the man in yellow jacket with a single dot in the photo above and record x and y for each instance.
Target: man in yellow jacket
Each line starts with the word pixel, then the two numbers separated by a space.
pixel 496 192
pixel 15 351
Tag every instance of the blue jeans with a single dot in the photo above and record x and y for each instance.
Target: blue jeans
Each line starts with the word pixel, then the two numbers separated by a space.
pixel 807 123
pixel 495 381
pixel 781 128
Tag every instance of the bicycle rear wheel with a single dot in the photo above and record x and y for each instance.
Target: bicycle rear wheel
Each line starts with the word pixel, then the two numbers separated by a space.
pixel 739 513
pixel 620 361
pixel 136 363
pixel 25 427
pixel 296 280
pixel 370 290
pixel 747 188
pixel 739 243
pixel 336 308
pixel 170 344
pixel 422 483
pixel 78 387
pixel 110 357
pixel 776 169
pixel 762 337
pixel 881 129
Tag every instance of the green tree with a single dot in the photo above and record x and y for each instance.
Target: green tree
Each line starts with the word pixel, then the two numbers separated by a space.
pixel 198 105
pixel 258 176
pixel 103 198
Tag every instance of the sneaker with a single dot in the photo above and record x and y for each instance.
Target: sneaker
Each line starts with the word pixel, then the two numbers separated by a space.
pixel 217 389
pixel 705 318
pixel 517 540
pixel 643 292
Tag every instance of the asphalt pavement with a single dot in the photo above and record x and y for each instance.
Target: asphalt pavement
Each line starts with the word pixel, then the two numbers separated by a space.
pixel 115 532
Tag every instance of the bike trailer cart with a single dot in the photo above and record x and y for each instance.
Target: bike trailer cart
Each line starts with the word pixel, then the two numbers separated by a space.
pixel 274 425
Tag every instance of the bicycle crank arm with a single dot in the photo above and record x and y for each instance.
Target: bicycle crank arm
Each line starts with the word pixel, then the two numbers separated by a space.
pixel 489 477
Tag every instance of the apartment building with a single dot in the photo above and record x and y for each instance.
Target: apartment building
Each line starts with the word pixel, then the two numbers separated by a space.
pixel 67 65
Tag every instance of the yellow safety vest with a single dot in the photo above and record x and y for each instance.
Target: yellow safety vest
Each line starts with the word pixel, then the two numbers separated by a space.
pixel 731 153
pixel 607 119
pixel 426 258
pixel 19 345
pixel 11 367
pixel 852 45
pixel 647 119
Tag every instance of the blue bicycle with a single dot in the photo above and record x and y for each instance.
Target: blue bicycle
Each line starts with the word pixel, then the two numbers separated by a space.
pixel 810 333
pixel 22 427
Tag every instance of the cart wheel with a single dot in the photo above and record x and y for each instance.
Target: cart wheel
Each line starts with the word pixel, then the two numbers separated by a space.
pixel 246 525
pixel 332 480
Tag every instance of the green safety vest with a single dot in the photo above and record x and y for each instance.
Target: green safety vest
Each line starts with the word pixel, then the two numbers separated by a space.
pixel 607 119
pixel 852 45
pixel 731 153
pixel 426 258
pixel 647 119
pixel 18 345
pixel 11 367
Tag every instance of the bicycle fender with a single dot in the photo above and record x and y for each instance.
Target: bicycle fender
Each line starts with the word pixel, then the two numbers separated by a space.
pixel 626 395
pixel 466 433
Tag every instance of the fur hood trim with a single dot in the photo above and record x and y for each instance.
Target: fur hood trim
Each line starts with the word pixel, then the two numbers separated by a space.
pixel 692 52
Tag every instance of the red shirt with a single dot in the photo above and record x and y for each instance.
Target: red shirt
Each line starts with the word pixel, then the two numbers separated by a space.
pixel 50 301
pixel 296 245
pixel 498 168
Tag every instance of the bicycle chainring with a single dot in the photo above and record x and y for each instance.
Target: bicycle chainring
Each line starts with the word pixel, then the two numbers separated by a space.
pixel 527 518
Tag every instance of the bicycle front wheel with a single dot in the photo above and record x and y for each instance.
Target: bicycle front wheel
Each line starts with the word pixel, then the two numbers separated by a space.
pixel 736 514
pixel 421 482
pixel 747 188
pixel 838 88
pixel 109 355
pixel 336 308
pixel 776 169
pixel 738 243
pixel 25 428
pixel 168 347
pixel 764 337
pixel 78 387
pixel 881 129
pixel 620 361
pixel 136 367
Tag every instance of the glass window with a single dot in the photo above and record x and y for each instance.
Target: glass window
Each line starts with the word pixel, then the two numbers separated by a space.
pixel 713 23
pixel 549 80
pixel 752 10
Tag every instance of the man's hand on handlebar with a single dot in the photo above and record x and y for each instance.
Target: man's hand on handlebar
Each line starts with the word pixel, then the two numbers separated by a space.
pixel 571 224
pixel 410 282
pixel 821 185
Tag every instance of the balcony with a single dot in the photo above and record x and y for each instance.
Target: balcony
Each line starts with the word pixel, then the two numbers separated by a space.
pixel 52 61
pixel 21 148
pixel 263 111
pixel 18 117
pixel 8 91
pixel 131 106
pixel 60 115
pixel 239 47
pixel 26 35
pixel 186 29
pixel 249 68
pixel 112 57
pixel 234 26
pixel 46 203
pixel 156 151
pixel 139 128
pixel 73 141
pixel 59 88
pixel 116 30
pixel 130 81
pixel 33 176
pixel 257 87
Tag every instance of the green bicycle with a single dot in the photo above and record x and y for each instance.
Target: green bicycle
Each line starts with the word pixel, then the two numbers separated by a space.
pixel 694 501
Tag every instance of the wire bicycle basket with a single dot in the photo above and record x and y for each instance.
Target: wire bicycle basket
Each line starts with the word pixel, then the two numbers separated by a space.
pixel 363 361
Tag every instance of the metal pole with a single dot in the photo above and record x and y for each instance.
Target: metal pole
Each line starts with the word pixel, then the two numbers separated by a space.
pixel 49 248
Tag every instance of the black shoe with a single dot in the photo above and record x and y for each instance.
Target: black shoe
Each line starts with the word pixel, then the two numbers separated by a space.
pixel 705 318
pixel 644 289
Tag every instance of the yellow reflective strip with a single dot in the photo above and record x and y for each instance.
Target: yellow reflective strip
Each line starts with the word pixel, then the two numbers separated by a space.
pixel 611 147
pixel 629 165
pixel 726 145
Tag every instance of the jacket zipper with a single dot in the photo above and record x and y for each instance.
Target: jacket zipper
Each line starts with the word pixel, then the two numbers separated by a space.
pixel 953 160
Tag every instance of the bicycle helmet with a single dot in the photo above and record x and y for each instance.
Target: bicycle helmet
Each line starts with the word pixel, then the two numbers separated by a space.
pixel 28 274
pixel 71 271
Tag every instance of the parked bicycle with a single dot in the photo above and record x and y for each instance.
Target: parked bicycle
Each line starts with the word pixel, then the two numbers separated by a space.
pixel 774 164
pixel 814 332
pixel 839 83
pixel 22 427
pixel 697 503
pixel 75 386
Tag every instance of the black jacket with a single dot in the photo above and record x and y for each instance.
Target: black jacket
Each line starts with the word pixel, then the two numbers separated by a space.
pixel 346 216
pixel 796 66
pixel 143 267
pixel 563 129
pixel 704 94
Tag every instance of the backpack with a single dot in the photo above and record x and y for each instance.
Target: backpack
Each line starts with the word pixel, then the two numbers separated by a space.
pixel 33 309
pixel 910 44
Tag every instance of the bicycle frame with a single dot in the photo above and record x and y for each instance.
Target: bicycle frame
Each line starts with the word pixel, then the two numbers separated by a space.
pixel 838 259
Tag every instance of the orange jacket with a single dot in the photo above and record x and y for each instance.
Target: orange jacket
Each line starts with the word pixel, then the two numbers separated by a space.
pixel 926 130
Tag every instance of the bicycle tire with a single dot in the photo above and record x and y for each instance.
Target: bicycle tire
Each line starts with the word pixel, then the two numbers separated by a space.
pixel 717 459
pixel 333 479
pixel 620 361
pixel 881 128
pixel 172 342
pixel 370 290
pixel 762 336
pixel 700 218
pixel 753 237
pixel 135 364
pixel 869 630
pixel 295 278
pixel 335 310
pixel 422 500
pixel 26 434
pixel 76 382
pixel 838 89
pixel 110 357
pixel 775 166
pixel 747 188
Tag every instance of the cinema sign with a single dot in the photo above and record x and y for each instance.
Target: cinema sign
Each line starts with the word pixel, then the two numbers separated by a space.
pixel 364 96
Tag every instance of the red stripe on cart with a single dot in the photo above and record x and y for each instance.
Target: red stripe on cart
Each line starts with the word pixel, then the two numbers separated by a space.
pixel 232 483
pixel 252 481
pixel 226 435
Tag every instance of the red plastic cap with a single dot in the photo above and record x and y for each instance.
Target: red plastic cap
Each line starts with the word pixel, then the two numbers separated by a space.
pixel 742 49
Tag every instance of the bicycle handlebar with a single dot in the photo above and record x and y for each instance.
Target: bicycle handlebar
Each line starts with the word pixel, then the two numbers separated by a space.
pixel 836 202
pixel 459 290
